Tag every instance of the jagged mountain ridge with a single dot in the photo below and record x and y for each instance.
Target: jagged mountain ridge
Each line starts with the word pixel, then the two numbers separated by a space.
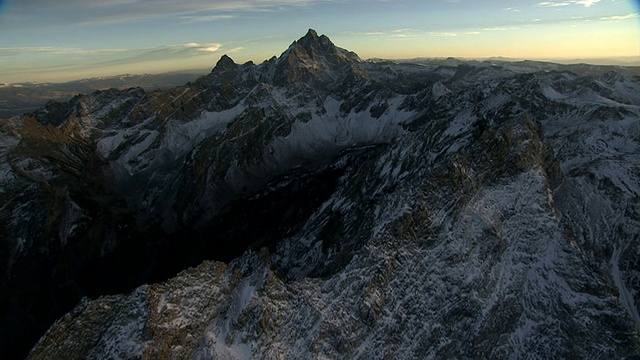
pixel 398 180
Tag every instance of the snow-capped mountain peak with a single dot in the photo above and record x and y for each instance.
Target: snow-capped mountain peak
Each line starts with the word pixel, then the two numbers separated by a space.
pixel 317 61
pixel 225 63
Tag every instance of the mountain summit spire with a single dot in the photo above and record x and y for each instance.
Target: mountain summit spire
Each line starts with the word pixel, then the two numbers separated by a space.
pixel 315 60
pixel 225 63
pixel 311 34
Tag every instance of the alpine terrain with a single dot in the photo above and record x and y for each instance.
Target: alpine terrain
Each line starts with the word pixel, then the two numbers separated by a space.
pixel 321 206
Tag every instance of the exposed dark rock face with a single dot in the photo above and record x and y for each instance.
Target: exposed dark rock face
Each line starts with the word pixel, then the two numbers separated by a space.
pixel 326 206
pixel 314 61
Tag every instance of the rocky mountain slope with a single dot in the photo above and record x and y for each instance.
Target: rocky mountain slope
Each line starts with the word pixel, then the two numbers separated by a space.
pixel 320 206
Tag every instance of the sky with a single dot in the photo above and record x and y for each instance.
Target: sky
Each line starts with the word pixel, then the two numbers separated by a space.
pixel 61 40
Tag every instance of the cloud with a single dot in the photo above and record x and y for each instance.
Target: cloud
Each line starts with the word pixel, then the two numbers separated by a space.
pixel 367 33
pixel 110 57
pixel 395 32
pixel 586 3
pixel 554 3
pixel 500 28
pixel 212 48
pixel 401 33
pixel 47 63
pixel 234 50
pixel 452 33
pixel 50 50
pixel 621 17
pixel 179 51
pixel 208 18
pixel 110 11
pixel 161 5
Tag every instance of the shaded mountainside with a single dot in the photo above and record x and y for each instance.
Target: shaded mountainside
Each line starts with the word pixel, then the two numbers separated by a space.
pixel 326 206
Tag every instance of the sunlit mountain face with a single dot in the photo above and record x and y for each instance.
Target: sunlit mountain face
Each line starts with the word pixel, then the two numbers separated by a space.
pixel 321 205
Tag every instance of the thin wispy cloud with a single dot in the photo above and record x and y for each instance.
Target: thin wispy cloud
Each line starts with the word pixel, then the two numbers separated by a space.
pixel 392 32
pixel 111 57
pixel 621 17
pixel 113 11
pixel 50 50
pixel 452 33
pixel 211 48
pixel 554 3
pixel 500 28
pixel 207 18
pixel 179 50
pixel 91 61
pixel 586 3
pixel 160 5
pixel 366 33
pixel 234 50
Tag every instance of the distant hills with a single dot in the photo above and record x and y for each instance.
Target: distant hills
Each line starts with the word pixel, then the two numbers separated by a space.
pixel 25 97
pixel 579 67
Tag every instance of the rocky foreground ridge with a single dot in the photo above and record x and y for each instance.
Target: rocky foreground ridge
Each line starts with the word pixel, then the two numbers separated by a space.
pixel 319 206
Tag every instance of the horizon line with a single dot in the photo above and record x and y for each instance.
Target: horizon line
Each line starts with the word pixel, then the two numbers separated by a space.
pixel 615 61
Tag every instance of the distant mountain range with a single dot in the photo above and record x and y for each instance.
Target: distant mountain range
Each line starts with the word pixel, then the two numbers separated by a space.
pixel 320 206
pixel 21 98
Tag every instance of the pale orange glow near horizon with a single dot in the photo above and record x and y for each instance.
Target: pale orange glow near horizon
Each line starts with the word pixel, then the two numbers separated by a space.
pixel 613 40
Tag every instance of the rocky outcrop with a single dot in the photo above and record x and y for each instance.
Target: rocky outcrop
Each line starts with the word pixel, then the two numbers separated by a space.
pixel 316 62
